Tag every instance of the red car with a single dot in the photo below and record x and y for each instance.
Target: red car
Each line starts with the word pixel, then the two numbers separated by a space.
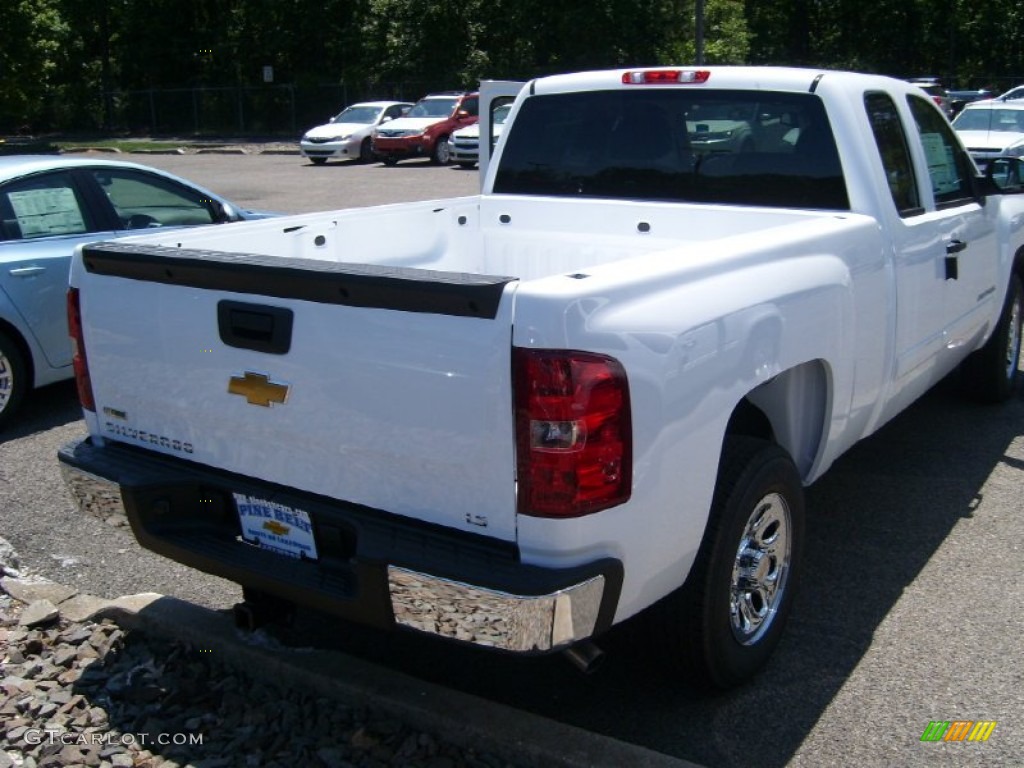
pixel 424 130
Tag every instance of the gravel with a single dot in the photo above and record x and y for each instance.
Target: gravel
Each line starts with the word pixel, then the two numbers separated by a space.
pixel 80 692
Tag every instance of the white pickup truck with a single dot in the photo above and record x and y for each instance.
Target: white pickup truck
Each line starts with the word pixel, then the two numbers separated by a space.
pixel 518 418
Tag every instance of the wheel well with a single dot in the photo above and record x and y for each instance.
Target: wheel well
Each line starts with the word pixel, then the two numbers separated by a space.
pixel 747 419
pixel 790 410
pixel 13 334
pixel 1018 264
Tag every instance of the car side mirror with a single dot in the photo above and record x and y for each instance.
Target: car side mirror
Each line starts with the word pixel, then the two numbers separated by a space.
pixel 1005 174
pixel 226 211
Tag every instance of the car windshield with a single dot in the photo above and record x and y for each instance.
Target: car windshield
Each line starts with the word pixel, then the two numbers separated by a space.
pixel 1008 120
pixel 363 115
pixel 433 108
pixel 736 147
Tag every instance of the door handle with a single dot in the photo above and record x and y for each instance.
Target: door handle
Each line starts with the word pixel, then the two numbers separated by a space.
pixel 26 271
pixel 955 246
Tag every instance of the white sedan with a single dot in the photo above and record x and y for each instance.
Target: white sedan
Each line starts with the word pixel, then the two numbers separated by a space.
pixel 464 144
pixel 991 129
pixel 50 205
pixel 349 134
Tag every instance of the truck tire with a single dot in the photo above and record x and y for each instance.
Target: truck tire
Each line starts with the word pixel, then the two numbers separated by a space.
pixel 723 624
pixel 13 378
pixel 990 374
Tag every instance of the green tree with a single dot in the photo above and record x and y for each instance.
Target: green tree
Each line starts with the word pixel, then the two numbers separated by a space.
pixel 31 35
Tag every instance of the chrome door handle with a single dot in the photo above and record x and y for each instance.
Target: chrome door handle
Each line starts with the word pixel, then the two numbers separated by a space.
pixel 27 271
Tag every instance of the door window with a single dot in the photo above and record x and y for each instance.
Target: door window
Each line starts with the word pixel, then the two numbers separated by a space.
pixel 891 141
pixel 949 168
pixel 143 201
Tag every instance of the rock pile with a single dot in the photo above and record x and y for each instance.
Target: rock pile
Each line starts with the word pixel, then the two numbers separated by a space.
pixel 90 693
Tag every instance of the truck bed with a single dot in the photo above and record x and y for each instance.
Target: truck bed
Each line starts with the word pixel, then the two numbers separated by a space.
pixel 488 235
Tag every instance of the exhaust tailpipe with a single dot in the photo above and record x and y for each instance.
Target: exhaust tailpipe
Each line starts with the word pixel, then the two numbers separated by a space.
pixel 585 656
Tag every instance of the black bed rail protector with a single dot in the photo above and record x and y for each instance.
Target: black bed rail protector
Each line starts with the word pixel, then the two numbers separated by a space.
pixel 325 282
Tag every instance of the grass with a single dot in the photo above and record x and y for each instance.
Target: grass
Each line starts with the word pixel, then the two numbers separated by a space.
pixel 122 145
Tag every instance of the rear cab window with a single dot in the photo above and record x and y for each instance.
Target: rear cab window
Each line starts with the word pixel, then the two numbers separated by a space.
pixel 715 146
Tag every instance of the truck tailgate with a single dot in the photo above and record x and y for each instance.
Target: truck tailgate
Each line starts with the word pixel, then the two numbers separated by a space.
pixel 379 386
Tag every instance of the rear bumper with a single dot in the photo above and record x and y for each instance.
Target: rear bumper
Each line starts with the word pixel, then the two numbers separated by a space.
pixel 373 567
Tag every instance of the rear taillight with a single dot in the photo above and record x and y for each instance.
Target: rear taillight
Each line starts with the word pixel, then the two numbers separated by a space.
pixel 573 432
pixel 79 360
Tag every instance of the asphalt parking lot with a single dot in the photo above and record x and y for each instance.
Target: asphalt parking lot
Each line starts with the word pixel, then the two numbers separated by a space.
pixel 909 610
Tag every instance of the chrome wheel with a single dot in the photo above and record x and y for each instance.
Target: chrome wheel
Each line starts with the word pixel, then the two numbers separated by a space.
pixel 760 570
pixel 14 378
pixel 6 382
pixel 441 152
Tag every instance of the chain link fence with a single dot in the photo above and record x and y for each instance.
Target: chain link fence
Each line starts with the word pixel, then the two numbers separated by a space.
pixel 284 110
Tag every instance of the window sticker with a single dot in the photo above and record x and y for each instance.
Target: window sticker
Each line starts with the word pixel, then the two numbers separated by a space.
pixel 941 164
pixel 52 211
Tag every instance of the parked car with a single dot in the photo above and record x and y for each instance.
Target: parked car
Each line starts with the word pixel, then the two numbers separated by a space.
pixel 1013 94
pixel 464 144
pixel 991 129
pixel 960 99
pixel 49 205
pixel 424 130
pixel 940 96
pixel 349 133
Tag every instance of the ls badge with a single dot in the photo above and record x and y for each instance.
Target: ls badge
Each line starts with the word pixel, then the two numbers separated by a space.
pixel 258 389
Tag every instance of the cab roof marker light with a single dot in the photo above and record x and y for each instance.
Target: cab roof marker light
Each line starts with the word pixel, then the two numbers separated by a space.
pixel 666 77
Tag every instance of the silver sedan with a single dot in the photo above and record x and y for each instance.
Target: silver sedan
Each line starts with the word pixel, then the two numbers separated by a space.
pixel 48 206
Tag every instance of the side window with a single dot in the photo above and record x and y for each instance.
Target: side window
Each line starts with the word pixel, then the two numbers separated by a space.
pixel 143 201
pixel 471 105
pixel 948 166
pixel 41 206
pixel 394 111
pixel 891 141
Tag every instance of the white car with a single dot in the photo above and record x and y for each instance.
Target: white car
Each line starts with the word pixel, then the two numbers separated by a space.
pixel 464 144
pixel 991 129
pixel 348 134
pixel 1014 94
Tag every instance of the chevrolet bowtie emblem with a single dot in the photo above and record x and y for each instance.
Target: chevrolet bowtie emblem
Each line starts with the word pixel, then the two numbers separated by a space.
pixel 276 528
pixel 258 389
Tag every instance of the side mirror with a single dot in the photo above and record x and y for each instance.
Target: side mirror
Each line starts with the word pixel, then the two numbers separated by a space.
pixel 1006 174
pixel 227 212
pixel 386 119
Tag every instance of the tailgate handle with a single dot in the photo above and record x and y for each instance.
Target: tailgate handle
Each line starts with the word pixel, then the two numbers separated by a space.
pixel 255 326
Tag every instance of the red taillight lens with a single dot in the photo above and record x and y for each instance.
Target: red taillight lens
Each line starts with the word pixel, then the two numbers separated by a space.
pixel 573 432
pixel 79 361
pixel 666 77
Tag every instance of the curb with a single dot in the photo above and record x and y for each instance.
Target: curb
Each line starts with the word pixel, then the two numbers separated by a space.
pixel 519 737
